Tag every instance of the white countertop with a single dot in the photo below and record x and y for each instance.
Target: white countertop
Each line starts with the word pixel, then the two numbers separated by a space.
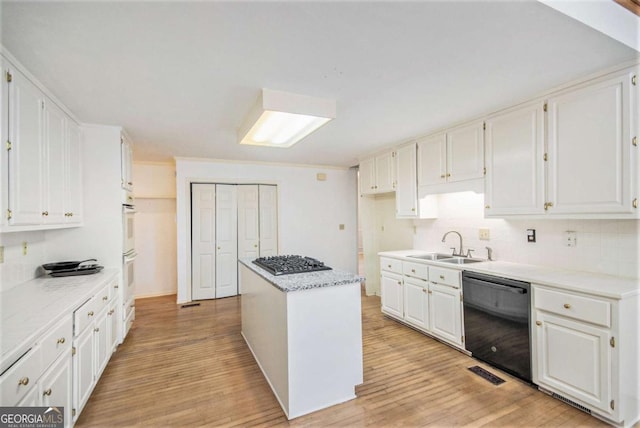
pixel 608 286
pixel 305 280
pixel 29 309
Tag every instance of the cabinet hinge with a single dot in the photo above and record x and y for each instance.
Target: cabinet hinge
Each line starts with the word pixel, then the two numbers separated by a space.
pixel 544 107
pixel 73 350
pixel 634 141
pixel 545 157
pixel 9 145
pixel 393 154
pixel 613 404
pixel 461 297
pixel 73 412
pixel 9 77
pixel 9 214
pixel 462 338
pixel 612 342
pixel 484 126
pixel 484 170
pixel 634 80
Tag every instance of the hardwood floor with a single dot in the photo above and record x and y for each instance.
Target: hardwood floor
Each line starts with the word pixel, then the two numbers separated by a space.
pixel 190 367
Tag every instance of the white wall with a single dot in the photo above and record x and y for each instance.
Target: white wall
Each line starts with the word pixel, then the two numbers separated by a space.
pixel 603 246
pixel 381 231
pixel 155 229
pixel 309 211
pixel 18 267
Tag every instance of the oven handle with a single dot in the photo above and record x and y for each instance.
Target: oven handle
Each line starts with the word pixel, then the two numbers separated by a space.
pixel 130 257
pixel 500 287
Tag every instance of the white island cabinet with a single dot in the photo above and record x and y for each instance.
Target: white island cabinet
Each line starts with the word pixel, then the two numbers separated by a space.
pixel 305 332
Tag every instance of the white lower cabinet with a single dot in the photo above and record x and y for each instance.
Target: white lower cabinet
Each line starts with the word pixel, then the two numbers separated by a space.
pixel 585 349
pixel 95 338
pixel 391 294
pixel 55 387
pixel 425 297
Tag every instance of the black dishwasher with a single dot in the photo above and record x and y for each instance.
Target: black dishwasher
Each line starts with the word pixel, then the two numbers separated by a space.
pixel 496 321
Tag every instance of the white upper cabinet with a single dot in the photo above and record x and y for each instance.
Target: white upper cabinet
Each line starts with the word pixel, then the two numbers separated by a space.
pixel 25 157
pixel 514 183
pixel 127 164
pixel 591 131
pixel 43 176
pixel 55 151
pixel 378 174
pixel 432 160
pixel 407 191
pixel 456 155
pixel 465 152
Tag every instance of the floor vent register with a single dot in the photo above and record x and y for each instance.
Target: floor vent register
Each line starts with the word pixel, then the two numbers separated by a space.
pixel 486 375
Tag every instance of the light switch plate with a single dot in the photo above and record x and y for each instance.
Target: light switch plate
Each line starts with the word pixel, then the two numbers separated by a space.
pixel 483 234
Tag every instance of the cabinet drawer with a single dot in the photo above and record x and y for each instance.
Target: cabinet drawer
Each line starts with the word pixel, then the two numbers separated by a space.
pixel 391 265
pixel 56 341
pixel 415 270
pixel 584 308
pixel 84 316
pixel 19 379
pixel 448 277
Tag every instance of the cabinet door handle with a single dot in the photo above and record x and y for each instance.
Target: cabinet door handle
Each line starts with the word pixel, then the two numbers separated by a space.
pixel 24 381
pixel 567 306
pixel 441 276
pixel 115 286
pixel 399 282
pixel 389 266
pixel 90 314
pixel 45 213
pixel 61 340
pixel 538 322
pixel 47 392
pixel 413 271
pixel 105 298
pixel 96 329
pixel 442 176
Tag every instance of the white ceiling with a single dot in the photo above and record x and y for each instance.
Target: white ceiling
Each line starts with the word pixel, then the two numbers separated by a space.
pixel 180 77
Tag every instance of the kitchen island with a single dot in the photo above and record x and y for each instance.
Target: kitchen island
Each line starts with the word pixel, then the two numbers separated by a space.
pixel 305 332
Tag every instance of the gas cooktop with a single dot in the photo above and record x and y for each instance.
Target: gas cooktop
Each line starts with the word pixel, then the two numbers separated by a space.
pixel 285 265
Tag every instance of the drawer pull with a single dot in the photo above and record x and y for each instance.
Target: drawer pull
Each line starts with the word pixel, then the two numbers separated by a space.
pixel 47 392
pixel 96 329
pixel 24 381
pixel 389 266
pixel 115 286
pixel 567 306
pixel 441 276
pixel 399 282
pixel 61 340
pixel 413 271
pixel 105 298
pixel 90 314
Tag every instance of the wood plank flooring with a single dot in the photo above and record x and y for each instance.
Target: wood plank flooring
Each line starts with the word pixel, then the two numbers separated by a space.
pixel 190 367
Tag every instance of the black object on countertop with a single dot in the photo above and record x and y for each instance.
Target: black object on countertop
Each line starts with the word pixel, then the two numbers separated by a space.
pixel 82 270
pixel 65 265
pixel 285 265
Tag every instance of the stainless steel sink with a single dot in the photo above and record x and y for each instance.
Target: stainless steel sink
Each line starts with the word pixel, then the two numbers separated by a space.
pixel 460 260
pixel 432 256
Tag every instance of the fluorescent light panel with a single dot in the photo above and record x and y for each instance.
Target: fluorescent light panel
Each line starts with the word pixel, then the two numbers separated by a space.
pixel 281 119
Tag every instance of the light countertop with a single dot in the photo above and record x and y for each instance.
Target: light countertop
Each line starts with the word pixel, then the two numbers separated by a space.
pixel 29 309
pixel 609 286
pixel 304 281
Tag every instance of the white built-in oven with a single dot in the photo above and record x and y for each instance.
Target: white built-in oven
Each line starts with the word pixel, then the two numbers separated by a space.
pixel 128 213
pixel 128 297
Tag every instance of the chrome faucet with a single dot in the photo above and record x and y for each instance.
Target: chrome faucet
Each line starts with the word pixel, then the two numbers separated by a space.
pixel 461 252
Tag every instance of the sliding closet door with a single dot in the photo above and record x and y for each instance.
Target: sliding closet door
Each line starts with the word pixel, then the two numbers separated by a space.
pixel 268 220
pixel 226 241
pixel 203 241
pixel 248 231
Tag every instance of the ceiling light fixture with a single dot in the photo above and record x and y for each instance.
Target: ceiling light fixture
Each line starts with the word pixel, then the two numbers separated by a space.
pixel 281 119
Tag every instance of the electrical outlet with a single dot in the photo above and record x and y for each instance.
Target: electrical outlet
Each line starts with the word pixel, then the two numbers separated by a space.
pixel 24 248
pixel 1 254
pixel 570 238
pixel 531 235
pixel 483 234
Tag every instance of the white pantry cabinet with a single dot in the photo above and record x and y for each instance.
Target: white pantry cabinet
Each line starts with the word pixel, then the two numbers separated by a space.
pixel 43 178
pixel 585 349
pixel 515 182
pixel 591 151
pixel 378 174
